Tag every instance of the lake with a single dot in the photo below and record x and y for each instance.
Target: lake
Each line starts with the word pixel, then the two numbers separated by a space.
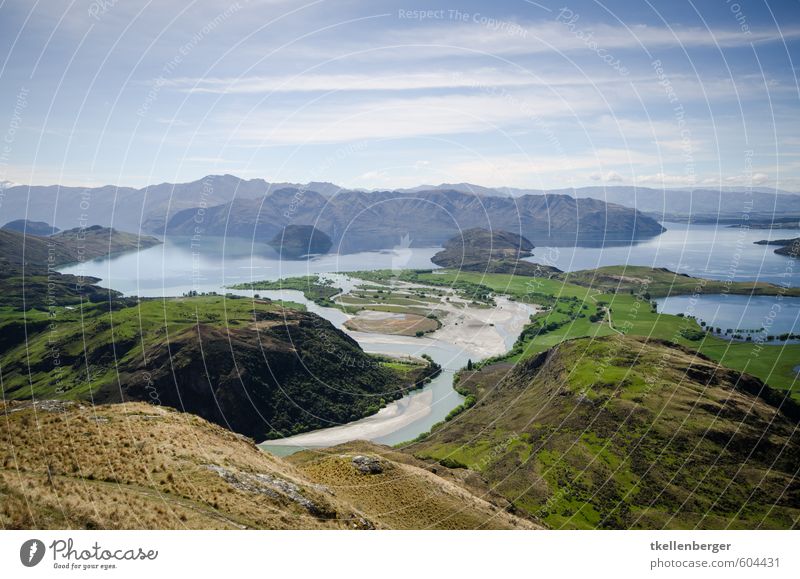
pixel 702 250
pixel 178 266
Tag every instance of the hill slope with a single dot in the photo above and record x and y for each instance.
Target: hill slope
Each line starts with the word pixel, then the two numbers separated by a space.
pixel 622 433
pixel 155 468
pixel 255 367
pixel 96 242
pixel 38 253
pixel 27 277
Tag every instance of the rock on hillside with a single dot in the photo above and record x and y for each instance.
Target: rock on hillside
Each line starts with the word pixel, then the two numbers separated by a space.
pixel 406 493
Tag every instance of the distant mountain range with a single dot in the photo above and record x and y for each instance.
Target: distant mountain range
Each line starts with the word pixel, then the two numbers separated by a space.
pixel 355 219
pixel 664 204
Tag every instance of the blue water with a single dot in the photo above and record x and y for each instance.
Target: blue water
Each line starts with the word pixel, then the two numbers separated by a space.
pixel 177 266
pixel 715 252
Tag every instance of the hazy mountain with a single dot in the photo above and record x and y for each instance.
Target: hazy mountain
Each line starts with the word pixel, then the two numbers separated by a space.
pixel 150 208
pixel 129 209
pixel 40 228
pixel 709 204
pixel 357 220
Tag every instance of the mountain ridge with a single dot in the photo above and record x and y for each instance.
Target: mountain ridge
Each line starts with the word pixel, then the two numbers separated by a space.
pixel 152 208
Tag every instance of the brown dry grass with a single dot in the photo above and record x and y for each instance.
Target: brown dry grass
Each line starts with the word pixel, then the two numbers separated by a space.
pixel 407 494
pixel 138 466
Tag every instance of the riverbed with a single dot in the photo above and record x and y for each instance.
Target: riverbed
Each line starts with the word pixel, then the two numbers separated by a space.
pixel 467 333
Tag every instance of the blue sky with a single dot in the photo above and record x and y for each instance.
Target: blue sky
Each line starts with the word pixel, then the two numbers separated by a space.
pixel 395 94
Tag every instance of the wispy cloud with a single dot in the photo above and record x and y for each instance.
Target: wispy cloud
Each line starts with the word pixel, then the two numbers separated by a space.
pixel 385 81
pixel 396 118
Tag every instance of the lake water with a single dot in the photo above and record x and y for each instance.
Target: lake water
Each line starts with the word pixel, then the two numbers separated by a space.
pixel 178 266
pixel 715 252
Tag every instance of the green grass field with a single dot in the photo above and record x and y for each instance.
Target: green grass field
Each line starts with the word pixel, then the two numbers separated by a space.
pixel 58 340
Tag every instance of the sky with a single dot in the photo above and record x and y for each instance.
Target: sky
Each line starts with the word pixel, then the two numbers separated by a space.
pixel 380 95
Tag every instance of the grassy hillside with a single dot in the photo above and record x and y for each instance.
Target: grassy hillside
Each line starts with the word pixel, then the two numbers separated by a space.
pixel 660 282
pixel 96 242
pixel 139 466
pixel 255 367
pixel 405 493
pixel 74 245
pixel 626 433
